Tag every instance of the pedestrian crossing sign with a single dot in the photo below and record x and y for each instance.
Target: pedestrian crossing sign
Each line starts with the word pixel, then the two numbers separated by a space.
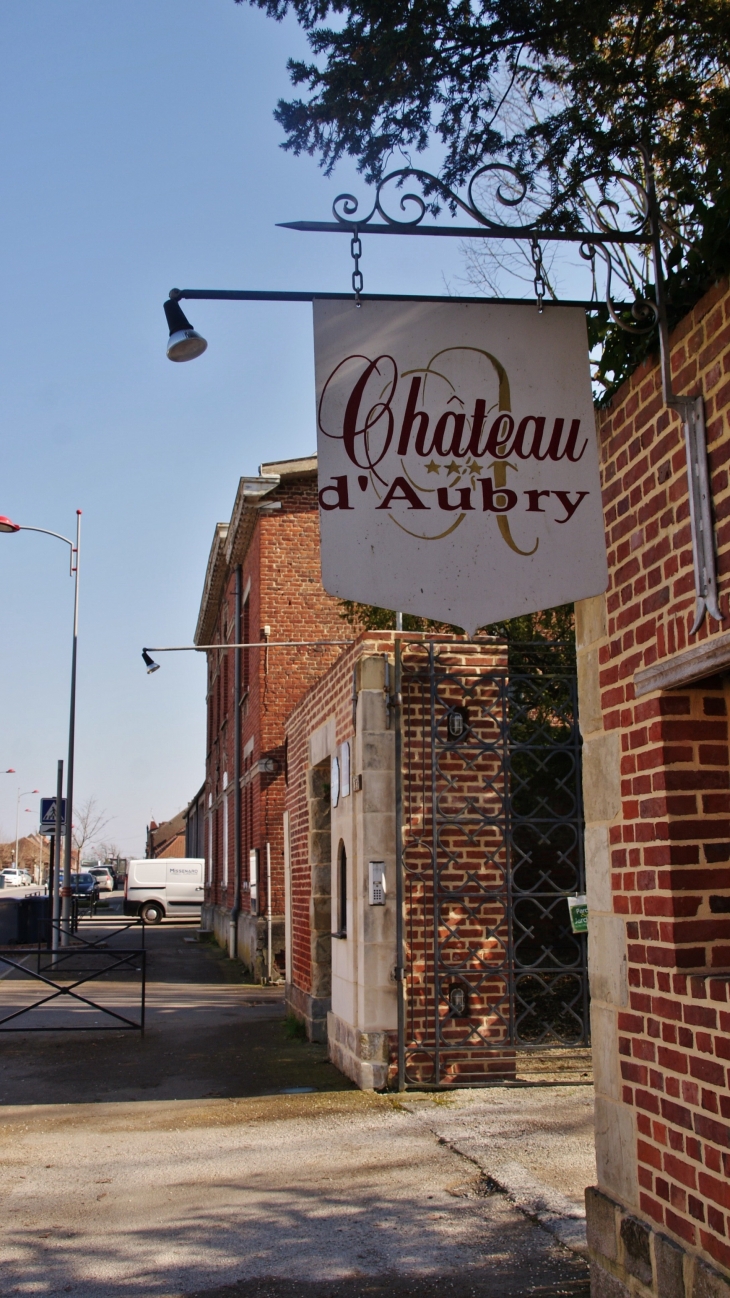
pixel 48 816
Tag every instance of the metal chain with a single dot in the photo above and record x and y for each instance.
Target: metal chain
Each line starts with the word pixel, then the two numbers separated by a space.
pixel 356 254
pixel 539 281
pixel 594 285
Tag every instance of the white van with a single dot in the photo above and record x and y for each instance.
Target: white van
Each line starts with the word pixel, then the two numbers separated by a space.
pixel 165 886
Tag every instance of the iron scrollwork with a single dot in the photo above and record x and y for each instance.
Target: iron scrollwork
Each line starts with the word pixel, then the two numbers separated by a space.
pixel 511 190
pixel 345 206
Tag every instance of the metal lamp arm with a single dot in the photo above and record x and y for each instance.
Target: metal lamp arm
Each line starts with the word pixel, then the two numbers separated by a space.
pixel 58 536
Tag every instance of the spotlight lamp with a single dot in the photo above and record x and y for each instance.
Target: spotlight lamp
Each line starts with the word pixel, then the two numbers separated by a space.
pixel 7 525
pixel 149 663
pixel 184 343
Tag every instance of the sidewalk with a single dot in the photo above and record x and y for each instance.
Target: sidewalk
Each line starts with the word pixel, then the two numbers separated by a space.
pixel 208 1034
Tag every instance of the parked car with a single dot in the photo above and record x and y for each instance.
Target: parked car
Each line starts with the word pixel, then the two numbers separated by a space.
pixel 103 876
pixel 16 878
pixel 84 886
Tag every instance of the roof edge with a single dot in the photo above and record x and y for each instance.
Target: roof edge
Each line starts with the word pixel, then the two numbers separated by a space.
pixel 291 468
pixel 212 578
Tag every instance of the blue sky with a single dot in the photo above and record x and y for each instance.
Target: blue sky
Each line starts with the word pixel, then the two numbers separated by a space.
pixel 138 151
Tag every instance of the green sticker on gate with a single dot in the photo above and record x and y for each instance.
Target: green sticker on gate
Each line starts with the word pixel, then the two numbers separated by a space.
pixel 578 910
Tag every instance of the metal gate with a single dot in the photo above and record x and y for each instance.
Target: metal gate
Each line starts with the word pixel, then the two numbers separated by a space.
pixel 491 831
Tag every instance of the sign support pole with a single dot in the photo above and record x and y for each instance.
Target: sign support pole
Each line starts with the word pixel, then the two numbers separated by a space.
pixel 56 904
pixel 68 844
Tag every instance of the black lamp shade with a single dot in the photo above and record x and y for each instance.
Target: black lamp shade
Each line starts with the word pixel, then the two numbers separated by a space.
pixel 177 321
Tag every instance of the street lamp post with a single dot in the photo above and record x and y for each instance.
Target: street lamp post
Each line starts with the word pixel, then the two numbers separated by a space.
pixel 22 794
pixel 6 525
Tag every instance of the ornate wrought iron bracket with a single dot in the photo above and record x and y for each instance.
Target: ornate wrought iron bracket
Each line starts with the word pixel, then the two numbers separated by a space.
pixel 511 191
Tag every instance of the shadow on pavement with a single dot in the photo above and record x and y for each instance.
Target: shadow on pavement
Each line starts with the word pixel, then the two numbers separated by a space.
pixel 487 1283
pixel 209 1034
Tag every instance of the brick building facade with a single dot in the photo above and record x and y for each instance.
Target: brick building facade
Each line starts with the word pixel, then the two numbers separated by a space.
pixel 341 797
pixel 195 824
pixel 328 932
pixel 654 705
pixel 262 584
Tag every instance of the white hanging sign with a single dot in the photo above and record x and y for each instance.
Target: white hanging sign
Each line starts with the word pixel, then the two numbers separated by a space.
pixel 458 458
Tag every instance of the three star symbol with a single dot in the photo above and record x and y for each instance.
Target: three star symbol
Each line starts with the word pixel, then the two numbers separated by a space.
pixel 472 467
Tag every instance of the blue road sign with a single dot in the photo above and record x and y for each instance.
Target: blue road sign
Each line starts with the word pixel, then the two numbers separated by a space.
pixel 48 815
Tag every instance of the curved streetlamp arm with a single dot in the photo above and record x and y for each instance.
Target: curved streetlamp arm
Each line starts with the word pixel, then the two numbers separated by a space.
pixel 59 537
pixel 63 930
pixel 22 793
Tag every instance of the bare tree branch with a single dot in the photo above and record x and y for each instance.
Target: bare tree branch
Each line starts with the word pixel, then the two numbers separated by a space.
pixel 89 821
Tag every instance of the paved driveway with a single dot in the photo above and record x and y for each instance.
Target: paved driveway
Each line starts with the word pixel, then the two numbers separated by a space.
pixel 170 1198
pixel 178 1164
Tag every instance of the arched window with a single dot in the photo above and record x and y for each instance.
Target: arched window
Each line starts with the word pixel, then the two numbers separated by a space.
pixel 341 890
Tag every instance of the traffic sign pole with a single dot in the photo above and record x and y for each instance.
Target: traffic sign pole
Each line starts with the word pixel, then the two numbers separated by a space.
pixel 68 841
pixel 56 907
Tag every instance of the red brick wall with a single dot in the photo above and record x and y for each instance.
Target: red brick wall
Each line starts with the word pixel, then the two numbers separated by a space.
pixel 469 790
pixel 331 695
pixel 670 846
pixel 286 594
pixel 475 942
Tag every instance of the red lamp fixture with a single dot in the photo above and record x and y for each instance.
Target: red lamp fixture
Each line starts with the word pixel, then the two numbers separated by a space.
pixel 7 524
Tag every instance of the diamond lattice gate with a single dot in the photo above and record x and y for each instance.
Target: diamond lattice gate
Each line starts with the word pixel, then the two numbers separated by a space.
pixel 492 847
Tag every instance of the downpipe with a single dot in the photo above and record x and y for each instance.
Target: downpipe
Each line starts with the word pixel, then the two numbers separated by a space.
pixel 233 920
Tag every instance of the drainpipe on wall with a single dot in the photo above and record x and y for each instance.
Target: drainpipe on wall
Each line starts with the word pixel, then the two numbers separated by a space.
pixel 400 972
pixel 233 923
pixel 268 903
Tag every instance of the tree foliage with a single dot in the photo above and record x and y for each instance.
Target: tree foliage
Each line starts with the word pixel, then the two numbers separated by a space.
pixel 390 75
pixel 565 90
pixel 534 639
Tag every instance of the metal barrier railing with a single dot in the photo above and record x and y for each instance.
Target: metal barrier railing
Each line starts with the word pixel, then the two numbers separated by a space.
pixel 51 965
pixel 77 941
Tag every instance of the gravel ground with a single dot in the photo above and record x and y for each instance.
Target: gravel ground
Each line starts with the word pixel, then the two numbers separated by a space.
pixel 177 1165
pixel 343 1194
pixel 536 1144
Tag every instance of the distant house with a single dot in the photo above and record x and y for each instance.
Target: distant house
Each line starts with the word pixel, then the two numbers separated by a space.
pixel 167 839
pixel 194 817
